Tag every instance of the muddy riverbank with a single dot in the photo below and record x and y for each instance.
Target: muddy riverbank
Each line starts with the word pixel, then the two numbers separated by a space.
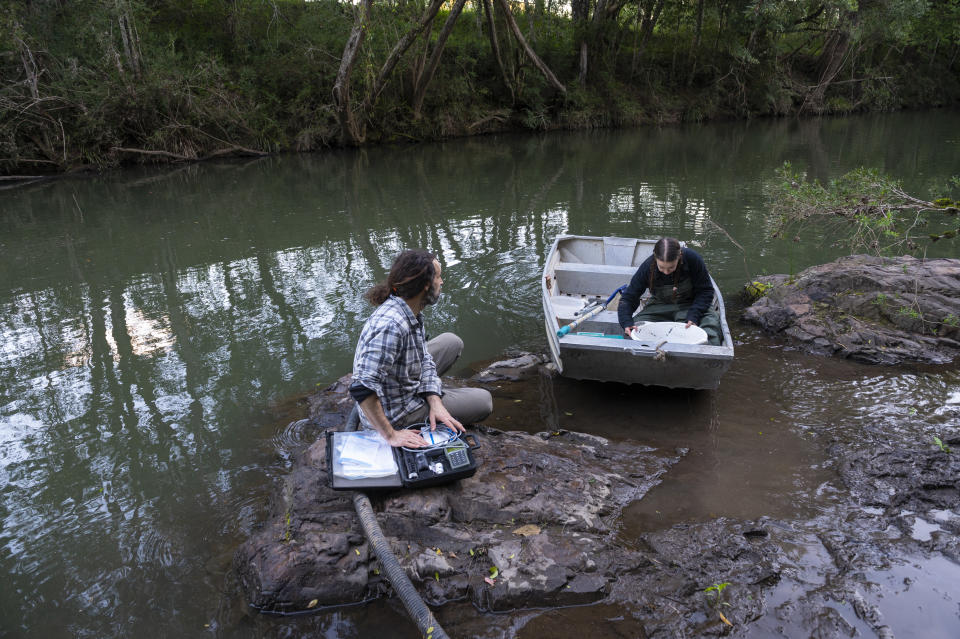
pixel 890 526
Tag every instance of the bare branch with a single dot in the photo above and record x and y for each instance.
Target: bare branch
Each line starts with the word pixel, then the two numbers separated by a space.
pixel 537 62
pixel 424 80
pixel 350 133
pixel 495 45
pixel 167 154
pixel 398 50
pixel 499 116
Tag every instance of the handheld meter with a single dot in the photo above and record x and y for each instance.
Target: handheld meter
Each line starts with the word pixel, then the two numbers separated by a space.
pixel 457 456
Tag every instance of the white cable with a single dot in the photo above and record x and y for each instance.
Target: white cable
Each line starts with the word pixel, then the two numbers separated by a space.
pixel 453 442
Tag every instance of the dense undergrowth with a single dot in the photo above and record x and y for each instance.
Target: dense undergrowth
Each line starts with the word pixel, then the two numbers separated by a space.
pixel 89 83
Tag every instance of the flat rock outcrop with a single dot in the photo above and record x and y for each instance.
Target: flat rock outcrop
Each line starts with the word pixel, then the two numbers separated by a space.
pixel 871 309
pixel 536 526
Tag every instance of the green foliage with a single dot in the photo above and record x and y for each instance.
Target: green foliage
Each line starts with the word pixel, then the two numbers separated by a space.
pixel 839 104
pixel 865 209
pixel 714 594
pixel 755 290
pixel 941 445
pixel 190 78
pixel 716 588
pixel 909 311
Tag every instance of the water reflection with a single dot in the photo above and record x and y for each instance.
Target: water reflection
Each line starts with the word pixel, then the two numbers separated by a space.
pixel 152 320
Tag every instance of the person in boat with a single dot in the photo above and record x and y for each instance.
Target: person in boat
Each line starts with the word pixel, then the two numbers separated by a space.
pixel 396 371
pixel 680 291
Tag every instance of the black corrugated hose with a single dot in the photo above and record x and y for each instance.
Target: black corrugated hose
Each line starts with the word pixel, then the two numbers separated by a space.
pixel 411 599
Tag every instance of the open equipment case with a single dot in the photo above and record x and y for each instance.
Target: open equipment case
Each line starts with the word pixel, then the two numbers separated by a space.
pixel 416 468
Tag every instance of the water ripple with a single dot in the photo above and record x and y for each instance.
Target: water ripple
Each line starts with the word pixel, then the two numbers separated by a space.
pixel 294 436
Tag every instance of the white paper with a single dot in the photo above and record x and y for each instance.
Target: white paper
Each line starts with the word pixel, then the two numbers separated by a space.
pixel 363 454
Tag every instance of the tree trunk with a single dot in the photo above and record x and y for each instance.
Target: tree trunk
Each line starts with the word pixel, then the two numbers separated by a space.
pixel 580 10
pixel 756 27
pixel 584 67
pixel 131 43
pixel 420 61
pixel 537 62
pixel 529 13
pixel 834 55
pixel 651 14
pixel 604 23
pixel 350 134
pixel 29 66
pixel 695 48
pixel 398 50
pixel 699 29
pixel 420 90
pixel 723 14
pixel 495 45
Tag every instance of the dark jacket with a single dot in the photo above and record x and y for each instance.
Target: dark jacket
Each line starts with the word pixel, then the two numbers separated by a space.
pixel 691 267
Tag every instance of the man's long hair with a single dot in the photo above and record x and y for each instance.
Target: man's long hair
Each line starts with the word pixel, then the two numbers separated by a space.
pixel 411 272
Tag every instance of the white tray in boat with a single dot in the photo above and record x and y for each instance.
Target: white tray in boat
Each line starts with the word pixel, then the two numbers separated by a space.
pixel 671 332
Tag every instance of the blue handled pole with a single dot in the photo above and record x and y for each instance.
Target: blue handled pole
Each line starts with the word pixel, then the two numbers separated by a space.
pixel 580 320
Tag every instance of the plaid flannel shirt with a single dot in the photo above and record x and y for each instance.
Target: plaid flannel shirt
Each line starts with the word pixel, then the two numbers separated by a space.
pixel 392 360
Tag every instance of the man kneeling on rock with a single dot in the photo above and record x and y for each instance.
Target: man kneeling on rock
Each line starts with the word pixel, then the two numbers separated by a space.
pixel 396 372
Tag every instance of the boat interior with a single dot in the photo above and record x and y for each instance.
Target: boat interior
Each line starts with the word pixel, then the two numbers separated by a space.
pixel 589 270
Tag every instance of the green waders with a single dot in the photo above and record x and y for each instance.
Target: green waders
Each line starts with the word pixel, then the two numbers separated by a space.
pixel 661 308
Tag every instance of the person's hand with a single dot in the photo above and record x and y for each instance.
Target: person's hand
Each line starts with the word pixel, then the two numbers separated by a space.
pixel 407 438
pixel 690 323
pixel 628 330
pixel 439 413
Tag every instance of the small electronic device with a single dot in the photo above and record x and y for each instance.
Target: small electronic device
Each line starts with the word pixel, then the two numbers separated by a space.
pixel 457 456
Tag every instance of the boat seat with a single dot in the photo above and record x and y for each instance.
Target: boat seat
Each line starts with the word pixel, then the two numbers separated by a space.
pixel 591 279
pixel 605 322
pixel 564 307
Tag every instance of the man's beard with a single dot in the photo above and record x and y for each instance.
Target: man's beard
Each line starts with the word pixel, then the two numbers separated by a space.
pixel 432 296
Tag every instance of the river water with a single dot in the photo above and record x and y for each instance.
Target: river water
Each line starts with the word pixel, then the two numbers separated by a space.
pixel 158 327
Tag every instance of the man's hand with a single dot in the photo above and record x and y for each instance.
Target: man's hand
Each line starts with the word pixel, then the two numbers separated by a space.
pixel 407 438
pixel 690 323
pixel 439 413
pixel 628 330
pixel 373 410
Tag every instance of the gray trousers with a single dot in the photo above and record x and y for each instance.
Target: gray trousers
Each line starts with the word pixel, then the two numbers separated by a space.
pixel 466 405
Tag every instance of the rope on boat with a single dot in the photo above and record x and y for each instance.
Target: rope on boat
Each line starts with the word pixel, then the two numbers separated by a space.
pixel 660 355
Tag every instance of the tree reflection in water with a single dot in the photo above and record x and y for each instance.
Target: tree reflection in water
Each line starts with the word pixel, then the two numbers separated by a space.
pixel 152 320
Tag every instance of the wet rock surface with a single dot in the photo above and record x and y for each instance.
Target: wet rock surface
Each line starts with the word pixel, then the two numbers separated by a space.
pixel 900 510
pixel 870 309
pixel 545 510
pixel 542 509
